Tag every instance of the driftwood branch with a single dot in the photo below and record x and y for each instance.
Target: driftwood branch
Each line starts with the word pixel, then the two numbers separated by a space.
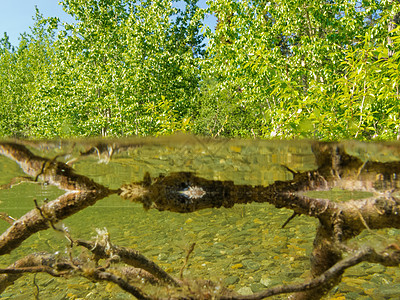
pixel 5 217
pixel 185 192
pixel 33 263
pixel 36 269
pixel 339 221
pixel 54 211
pixel 15 181
pixel 81 193
pixel 130 257
pixel 106 276
pixel 367 254
pixel 47 263
pixel 189 251
pixel 49 170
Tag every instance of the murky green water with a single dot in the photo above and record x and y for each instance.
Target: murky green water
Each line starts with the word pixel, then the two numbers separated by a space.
pixel 243 247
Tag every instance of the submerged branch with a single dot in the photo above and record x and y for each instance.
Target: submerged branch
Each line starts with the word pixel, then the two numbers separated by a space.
pixel 54 211
pixel 98 275
pixel 5 217
pixel 38 262
pixel 48 170
pixel 367 254
pixel 128 256
pixel 339 221
pixel 185 192
pixel 82 192
pixel 48 263
pixel 15 181
pixel 56 267
pixel 36 269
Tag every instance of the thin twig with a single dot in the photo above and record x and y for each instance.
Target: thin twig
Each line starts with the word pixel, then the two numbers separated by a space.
pixel 37 290
pixel 7 218
pixel 190 250
pixel 289 219
pixel 366 225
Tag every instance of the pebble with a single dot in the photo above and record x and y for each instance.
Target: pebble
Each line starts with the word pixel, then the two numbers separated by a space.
pixel 257 287
pixel 237 266
pixel 245 291
pixel 250 264
pixel 269 281
pixel 388 291
pixel 231 280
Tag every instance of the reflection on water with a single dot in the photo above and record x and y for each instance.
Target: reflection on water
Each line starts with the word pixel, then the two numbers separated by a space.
pixel 244 246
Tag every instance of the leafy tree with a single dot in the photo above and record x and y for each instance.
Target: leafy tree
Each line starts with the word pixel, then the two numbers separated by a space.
pixel 124 66
pixel 163 60
pixel 22 69
pixel 368 94
pixel 326 69
pixel 281 61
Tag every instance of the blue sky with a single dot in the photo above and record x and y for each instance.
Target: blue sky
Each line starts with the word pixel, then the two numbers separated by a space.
pixel 16 15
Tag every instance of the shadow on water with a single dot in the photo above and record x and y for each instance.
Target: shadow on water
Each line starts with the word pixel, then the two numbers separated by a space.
pixel 230 197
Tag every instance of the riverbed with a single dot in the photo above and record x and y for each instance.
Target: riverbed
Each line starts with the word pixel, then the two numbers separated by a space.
pixel 244 248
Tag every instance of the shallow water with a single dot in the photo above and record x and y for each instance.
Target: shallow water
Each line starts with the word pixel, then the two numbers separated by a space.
pixel 243 247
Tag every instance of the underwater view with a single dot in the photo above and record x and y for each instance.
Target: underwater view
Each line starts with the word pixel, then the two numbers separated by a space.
pixel 233 217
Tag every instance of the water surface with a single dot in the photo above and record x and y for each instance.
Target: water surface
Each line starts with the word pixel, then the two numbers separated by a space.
pixel 243 247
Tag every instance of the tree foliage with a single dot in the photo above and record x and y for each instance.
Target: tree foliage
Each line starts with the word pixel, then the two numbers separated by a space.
pixel 321 69
pixel 286 66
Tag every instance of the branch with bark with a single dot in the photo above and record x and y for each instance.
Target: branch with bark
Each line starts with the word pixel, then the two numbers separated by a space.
pixel 81 193
pixel 339 221
pixel 185 192
pixel 56 266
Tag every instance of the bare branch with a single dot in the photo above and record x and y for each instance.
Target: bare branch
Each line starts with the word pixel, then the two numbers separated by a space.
pixel 83 192
pixel 39 262
pixel 100 275
pixel 367 254
pixel 48 170
pixel 36 269
pixel 15 181
pixel 54 211
pixel 130 257
pixel 190 250
pixel 46 263
pixel 185 192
